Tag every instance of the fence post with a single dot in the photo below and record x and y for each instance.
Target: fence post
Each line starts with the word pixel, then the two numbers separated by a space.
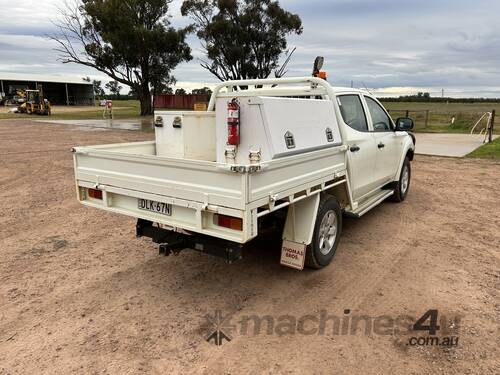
pixel 492 124
pixel 426 118
pixel 407 114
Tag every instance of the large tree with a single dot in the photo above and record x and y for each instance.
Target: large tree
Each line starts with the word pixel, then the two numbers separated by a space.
pixel 131 41
pixel 242 39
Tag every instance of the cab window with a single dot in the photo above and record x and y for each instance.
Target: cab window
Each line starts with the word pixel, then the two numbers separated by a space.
pixel 352 112
pixel 381 122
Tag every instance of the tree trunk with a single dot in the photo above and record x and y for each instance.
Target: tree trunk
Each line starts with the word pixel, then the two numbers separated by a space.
pixel 145 98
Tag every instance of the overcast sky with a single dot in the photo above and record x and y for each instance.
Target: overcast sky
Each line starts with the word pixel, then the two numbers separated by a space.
pixel 393 46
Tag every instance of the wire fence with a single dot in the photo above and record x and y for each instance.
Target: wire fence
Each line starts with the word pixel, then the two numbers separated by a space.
pixel 445 121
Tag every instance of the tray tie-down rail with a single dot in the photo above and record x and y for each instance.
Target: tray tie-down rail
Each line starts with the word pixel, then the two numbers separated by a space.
pixel 172 242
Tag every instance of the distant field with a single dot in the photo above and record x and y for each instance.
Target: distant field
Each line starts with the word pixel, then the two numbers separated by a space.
pixel 443 107
pixel 440 115
pixel 122 109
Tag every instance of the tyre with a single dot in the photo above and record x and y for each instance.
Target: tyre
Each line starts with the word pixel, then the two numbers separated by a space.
pixel 327 230
pixel 402 186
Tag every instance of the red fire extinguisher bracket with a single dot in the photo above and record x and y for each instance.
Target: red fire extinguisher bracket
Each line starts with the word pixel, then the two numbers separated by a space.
pixel 233 122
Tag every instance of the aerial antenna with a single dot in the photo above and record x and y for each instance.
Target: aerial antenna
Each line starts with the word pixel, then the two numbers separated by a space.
pixel 366 88
pixel 281 71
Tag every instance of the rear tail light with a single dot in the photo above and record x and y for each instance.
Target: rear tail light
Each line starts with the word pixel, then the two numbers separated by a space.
pixel 230 222
pixel 96 194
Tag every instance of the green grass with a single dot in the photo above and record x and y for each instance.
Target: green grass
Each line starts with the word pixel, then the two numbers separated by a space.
pixel 444 107
pixel 123 109
pixel 487 151
pixel 440 115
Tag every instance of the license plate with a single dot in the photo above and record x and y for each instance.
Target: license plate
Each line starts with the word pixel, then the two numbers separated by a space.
pixel 153 206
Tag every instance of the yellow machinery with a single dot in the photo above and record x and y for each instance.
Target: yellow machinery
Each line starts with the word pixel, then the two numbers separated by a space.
pixel 35 103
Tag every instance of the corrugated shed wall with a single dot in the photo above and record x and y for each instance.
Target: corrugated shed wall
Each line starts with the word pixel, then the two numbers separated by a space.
pixel 179 101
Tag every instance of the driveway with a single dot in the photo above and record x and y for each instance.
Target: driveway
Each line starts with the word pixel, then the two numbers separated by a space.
pixel 454 145
pixel 80 294
pixel 122 124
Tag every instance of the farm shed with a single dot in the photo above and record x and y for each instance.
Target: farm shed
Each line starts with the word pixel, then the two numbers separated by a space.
pixel 61 90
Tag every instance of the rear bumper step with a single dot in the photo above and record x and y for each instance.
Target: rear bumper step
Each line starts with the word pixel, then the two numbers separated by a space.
pixel 171 242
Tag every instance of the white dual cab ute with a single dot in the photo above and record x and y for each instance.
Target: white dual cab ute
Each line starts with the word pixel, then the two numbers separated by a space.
pixel 293 153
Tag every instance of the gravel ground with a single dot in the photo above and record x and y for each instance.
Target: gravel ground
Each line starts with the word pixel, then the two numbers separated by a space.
pixel 80 294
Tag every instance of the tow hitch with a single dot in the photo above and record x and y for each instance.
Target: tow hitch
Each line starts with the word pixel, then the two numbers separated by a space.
pixel 173 248
pixel 172 243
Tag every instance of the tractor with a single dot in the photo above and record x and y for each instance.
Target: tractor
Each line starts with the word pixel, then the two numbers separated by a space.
pixel 35 103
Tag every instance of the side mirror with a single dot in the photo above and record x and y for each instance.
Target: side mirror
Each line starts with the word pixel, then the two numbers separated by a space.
pixel 404 124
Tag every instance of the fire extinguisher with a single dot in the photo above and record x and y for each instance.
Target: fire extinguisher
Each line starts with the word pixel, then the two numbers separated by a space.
pixel 233 122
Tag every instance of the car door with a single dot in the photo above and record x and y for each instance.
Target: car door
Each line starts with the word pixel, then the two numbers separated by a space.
pixel 388 142
pixel 362 150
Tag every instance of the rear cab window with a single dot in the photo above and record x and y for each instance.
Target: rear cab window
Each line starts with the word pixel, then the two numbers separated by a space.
pixel 352 112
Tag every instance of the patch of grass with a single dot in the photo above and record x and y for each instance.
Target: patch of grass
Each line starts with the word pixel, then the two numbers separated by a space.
pixel 122 109
pixel 441 114
pixel 487 151
pixel 443 107
pixel 439 121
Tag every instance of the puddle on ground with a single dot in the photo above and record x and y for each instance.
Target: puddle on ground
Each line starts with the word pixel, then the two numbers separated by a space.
pixel 142 124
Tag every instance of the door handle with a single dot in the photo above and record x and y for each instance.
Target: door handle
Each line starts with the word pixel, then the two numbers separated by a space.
pixel 354 148
pixel 381 145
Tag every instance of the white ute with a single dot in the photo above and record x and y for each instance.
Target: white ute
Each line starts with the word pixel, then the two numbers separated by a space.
pixel 294 151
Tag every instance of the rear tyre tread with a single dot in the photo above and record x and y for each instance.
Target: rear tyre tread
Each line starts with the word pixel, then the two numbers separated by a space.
pixel 328 202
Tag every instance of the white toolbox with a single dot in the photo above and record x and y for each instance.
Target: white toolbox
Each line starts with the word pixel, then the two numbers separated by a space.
pixel 277 127
pixel 186 135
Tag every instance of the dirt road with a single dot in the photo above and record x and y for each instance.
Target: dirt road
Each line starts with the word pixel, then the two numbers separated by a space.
pixel 79 293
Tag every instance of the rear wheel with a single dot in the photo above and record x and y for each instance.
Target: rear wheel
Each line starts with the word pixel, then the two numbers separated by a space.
pixel 326 234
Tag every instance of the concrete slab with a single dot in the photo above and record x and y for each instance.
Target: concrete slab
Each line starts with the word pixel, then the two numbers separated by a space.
pixel 139 124
pixel 454 145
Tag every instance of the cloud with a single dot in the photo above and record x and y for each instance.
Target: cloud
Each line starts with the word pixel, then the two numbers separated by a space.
pixel 395 46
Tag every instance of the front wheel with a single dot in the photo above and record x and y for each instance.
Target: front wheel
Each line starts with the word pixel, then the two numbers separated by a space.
pixel 402 186
pixel 326 234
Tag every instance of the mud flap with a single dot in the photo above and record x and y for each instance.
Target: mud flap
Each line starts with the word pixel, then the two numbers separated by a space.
pixel 293 255
pixel 298 231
